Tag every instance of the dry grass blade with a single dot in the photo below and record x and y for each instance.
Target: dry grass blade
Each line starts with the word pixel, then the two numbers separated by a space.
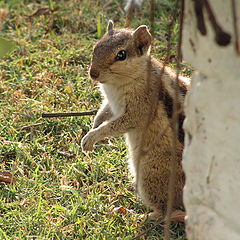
pixel 66 154
pixel 158 223
pixel 177 217
pixel 29 126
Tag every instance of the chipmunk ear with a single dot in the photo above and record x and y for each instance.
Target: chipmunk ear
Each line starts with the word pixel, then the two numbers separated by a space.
pixel 142 39
pixel 110 27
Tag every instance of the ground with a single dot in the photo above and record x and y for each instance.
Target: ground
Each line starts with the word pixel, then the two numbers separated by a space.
pixel 59 192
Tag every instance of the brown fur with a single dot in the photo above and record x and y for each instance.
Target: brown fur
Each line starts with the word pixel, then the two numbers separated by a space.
pixel 139 109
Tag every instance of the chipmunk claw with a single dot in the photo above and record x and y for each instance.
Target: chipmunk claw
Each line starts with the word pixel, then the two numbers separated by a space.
pixel 87 142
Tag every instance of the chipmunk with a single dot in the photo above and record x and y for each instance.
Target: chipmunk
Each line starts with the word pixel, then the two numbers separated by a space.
pixel 140 108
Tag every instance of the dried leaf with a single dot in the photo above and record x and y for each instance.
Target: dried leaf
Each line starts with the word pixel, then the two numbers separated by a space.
pixel 120 210
pixel 41 11
pixel 7 177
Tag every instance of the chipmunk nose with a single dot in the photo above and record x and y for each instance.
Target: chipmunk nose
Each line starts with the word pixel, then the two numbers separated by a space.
pixel 94 73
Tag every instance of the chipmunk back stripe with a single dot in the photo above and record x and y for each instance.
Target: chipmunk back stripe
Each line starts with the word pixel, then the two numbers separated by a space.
pixel 180 128
pixel 167 100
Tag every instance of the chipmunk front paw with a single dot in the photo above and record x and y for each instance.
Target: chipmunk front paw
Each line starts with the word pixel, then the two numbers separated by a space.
pixel 88 141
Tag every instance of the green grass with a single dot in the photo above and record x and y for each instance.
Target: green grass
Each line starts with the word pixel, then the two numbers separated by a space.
pixel 60 196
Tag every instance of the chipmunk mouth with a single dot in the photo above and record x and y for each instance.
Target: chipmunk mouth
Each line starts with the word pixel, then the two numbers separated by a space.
pixel 102 80
pixel 97 80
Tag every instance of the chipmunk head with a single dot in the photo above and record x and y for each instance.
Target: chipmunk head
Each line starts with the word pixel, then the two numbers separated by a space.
pixel 120 53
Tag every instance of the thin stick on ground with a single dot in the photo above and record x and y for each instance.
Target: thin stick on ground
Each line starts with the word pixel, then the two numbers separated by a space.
pixel 69 114
pixel 171 193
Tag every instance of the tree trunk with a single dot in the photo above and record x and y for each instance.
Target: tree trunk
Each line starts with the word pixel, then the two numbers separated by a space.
pixel 211 158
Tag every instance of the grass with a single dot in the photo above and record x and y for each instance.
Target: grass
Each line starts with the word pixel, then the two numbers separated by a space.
pixel 60 193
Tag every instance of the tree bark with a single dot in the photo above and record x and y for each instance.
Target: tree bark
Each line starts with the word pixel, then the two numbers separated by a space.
pixel 211 158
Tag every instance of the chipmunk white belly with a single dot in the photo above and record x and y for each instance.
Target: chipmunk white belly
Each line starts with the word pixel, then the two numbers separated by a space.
pixel 132 140
pixel 114 98
pixel 117 103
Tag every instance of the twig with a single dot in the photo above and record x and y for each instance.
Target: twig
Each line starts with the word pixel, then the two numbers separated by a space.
pixel 119 6
pixel 170 27
pixel 69 114
pixel 129 15
pixel 152 17
pixel 172 179
pixel 150 112
pixel 235 27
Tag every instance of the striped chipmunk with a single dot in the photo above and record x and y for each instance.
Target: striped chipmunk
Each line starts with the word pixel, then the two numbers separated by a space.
pixel 138 102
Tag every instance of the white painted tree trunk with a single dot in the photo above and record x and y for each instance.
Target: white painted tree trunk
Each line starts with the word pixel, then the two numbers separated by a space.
pixel 211 157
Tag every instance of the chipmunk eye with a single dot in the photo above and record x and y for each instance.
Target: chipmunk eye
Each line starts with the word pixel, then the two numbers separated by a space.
pixel 121 55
